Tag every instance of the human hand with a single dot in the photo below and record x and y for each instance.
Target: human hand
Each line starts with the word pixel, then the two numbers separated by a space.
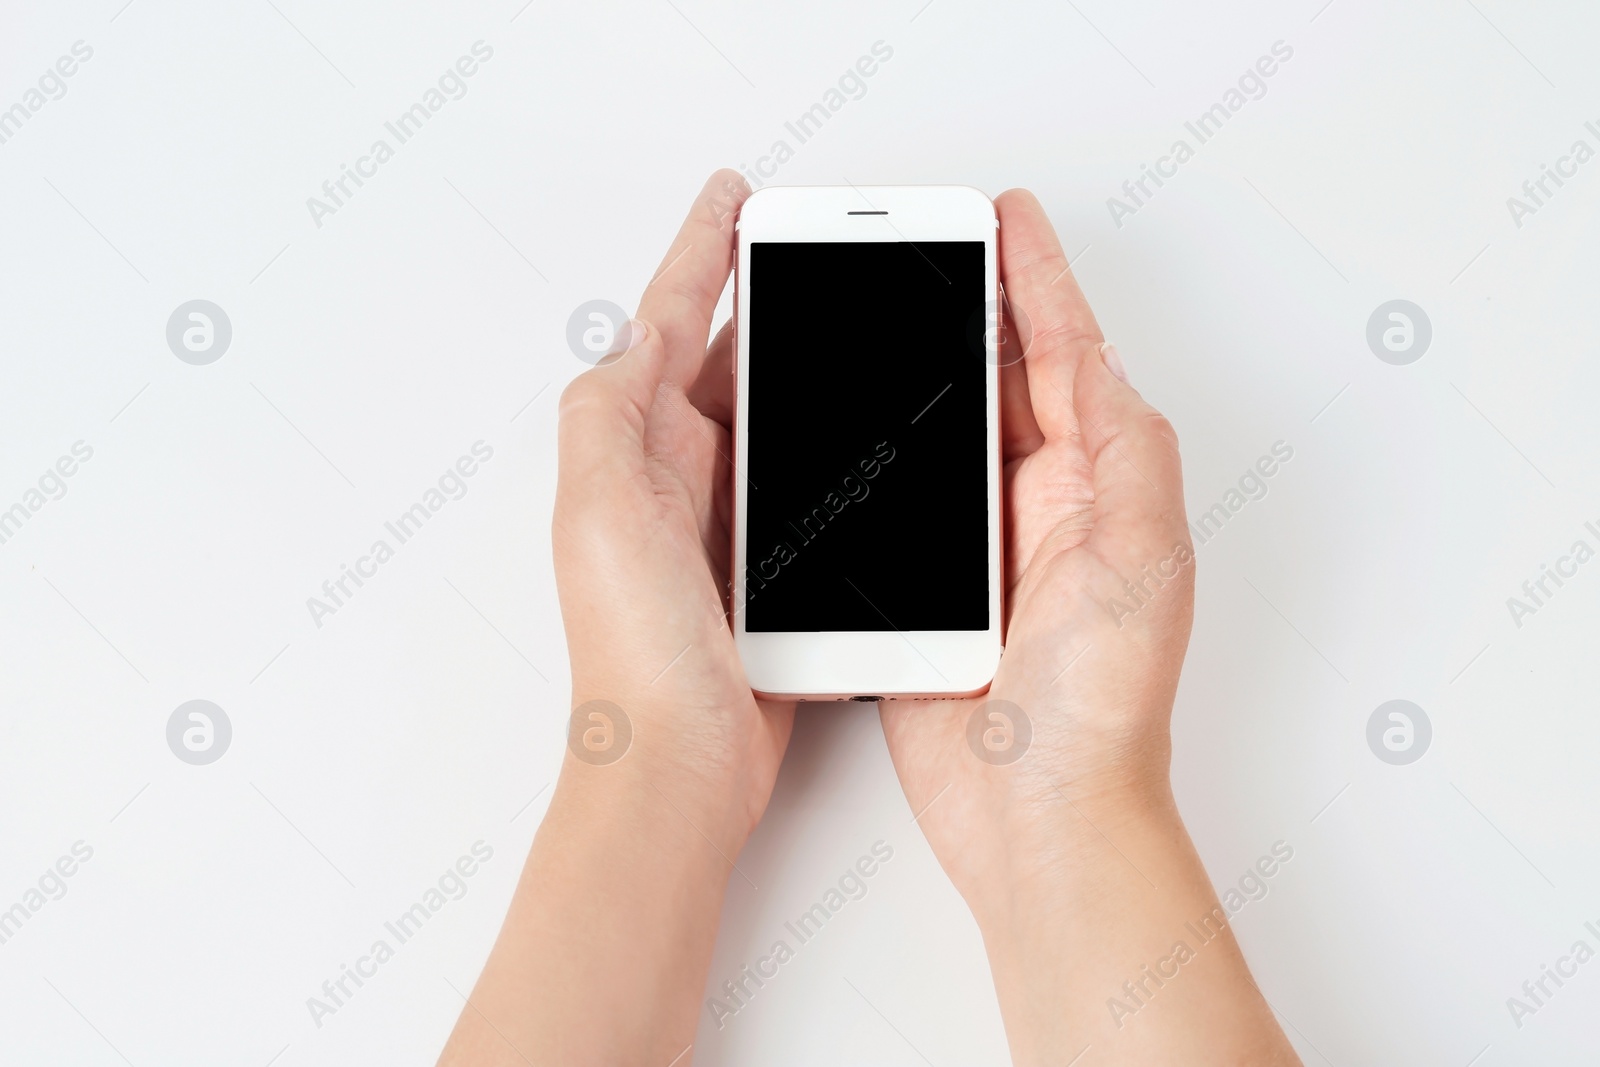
pixel 624 884
pixel 641 544
pixel 1094 499
pixel 1070 852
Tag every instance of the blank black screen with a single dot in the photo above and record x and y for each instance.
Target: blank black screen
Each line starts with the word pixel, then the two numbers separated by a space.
pixel 867 480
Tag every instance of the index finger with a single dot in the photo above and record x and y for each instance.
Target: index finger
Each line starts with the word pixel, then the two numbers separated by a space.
pixel 1039 282
pixel 683 294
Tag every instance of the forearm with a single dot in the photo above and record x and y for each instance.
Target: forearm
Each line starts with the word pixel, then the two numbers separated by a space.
pixel 1107 934
pixel 604 953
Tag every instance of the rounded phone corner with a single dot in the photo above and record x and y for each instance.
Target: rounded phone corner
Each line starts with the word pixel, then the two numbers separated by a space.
pixel 988 201
pixel 758 199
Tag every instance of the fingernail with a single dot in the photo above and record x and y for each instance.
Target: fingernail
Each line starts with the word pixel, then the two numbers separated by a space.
pixel 632 332
pixel 1108 352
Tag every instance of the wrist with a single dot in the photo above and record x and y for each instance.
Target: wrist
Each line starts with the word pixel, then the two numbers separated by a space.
pixel 650 813
pixel 1058 843
pixel 632 756
pixel 625 894
pixel 1094 894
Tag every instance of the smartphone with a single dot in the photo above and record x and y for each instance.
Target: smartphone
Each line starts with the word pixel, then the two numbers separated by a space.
pixel 866 526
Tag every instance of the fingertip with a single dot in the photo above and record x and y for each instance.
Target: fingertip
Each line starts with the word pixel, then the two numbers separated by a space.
pixel 1113 361
pixel 1133 448
pixel 644 354
pixel 629 337
pixel 1018 197
pixel 1107 397
pixel 628 373
pixel 712 392
pixel 725 193
pixel 1020 214
pixel 730 179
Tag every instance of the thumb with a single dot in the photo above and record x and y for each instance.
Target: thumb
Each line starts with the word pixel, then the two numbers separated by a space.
pixel 1133 452
pixel 603 411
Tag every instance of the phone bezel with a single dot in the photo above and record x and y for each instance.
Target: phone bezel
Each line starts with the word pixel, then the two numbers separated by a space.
pixel 848 665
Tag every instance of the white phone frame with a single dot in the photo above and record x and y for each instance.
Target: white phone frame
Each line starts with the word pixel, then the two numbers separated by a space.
pixel 856 665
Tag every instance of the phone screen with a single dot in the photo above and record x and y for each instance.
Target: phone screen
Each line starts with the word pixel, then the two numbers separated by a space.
pixel 867 480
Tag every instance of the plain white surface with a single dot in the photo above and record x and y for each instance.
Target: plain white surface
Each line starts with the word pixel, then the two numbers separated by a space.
pixel 423 316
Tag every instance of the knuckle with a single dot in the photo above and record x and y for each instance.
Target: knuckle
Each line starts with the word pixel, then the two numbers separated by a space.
pixel 1043 259
pixel 688 290
pixel 1162 431
pixel 1058 335
pixel 582 396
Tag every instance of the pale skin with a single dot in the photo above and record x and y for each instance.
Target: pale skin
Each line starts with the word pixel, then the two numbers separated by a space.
pixel 1073 860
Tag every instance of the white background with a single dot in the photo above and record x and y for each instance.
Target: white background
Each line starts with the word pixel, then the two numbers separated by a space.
pixel 369 353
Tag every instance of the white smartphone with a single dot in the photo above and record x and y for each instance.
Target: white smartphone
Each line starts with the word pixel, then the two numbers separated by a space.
pixel 866 543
